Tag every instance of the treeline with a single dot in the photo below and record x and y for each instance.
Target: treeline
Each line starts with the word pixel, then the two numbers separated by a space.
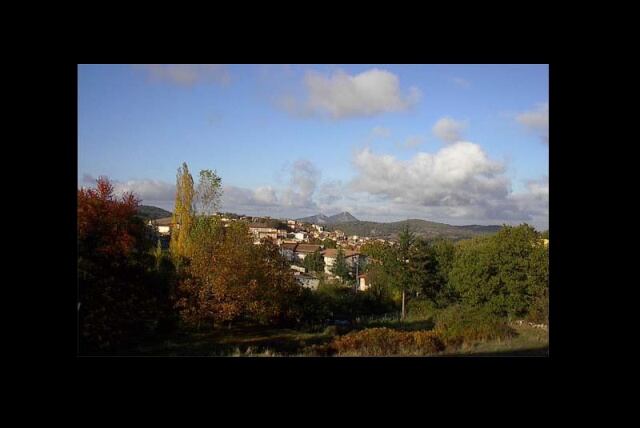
pixel 505 275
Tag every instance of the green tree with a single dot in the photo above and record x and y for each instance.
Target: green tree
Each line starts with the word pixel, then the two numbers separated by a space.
pixel 209 192
pixel 328 243
pixel 444 254
pixel 406 278
pixel 505 273
pixel 340 267
pixel 314 262
pixel 423 270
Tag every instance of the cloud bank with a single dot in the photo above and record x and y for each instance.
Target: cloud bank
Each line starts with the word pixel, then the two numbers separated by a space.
pixel 457 184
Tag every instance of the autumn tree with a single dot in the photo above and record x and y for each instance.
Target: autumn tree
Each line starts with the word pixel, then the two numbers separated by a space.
pixel 183 214
pixel 230 279
pixel 120 295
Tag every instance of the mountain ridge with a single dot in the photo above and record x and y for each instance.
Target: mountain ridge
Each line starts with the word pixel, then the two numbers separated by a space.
pixel 423 228
pixel 322 219
pixel 151 212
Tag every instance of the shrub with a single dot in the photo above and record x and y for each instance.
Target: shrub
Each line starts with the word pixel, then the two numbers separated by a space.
pixel 458 324
pixel 385 342
pixel 324 350
pixel 428 341
pixel 420 309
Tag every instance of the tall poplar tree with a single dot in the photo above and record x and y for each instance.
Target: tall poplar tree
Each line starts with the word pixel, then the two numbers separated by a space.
pixel 183 213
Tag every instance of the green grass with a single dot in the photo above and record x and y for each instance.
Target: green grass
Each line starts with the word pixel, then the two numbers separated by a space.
pixel 528 342
pixel 239 340
pixel 247 340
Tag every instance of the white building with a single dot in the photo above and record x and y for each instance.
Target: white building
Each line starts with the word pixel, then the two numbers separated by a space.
pixel 162 225
pixel 302 250
pixel 260 231
pixel 307 281
pixel 363 282
pixel 330 255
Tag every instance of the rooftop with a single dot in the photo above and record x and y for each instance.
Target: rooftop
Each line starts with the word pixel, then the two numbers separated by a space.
pixel 164 221
pixel 308 248
pixel 332 252
pixel 260 226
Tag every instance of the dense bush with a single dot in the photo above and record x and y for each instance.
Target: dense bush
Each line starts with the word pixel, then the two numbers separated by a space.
pixel 458 324
pixel 386 342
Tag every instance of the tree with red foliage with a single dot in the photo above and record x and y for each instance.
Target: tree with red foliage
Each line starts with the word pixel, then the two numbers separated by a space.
pixel 121 292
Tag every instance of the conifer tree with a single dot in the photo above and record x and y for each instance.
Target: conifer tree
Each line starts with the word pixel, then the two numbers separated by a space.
pixel 340 267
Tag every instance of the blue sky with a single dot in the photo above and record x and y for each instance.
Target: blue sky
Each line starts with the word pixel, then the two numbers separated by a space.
pixel 293 140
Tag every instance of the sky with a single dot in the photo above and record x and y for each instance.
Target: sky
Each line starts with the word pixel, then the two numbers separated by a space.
pixel 458 144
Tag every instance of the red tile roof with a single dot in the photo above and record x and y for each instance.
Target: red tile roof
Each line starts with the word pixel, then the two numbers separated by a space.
pixel 332 252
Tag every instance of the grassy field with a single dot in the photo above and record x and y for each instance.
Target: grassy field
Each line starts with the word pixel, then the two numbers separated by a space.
pixel 528 342
pixel 245 340
pixel 237 341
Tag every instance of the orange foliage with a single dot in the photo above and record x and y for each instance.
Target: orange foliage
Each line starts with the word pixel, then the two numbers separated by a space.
pixel 230 278
pixel 387 342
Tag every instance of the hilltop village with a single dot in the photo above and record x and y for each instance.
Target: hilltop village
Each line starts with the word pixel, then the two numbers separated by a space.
pixel 297 240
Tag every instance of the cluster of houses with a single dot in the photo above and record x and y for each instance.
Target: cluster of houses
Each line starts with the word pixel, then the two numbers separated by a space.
pixel 294 245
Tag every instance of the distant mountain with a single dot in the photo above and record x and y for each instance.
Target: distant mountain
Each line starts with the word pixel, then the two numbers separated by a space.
pixel 340 218
pixel 423 228
pixel 315 219
pixel 151 213
pixel 343 217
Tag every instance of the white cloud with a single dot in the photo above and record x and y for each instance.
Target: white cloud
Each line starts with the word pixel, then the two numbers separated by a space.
pixel 459 174
pixel 147 190
pixel 449 130
pixel 341 95
pixel 536 121
pixel 459 184
pixel 187 74
pixel 238 198
pixel 266 195
pixel 304 181
pixel 297 196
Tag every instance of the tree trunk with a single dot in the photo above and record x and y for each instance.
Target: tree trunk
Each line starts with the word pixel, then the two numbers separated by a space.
pixel 403 304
